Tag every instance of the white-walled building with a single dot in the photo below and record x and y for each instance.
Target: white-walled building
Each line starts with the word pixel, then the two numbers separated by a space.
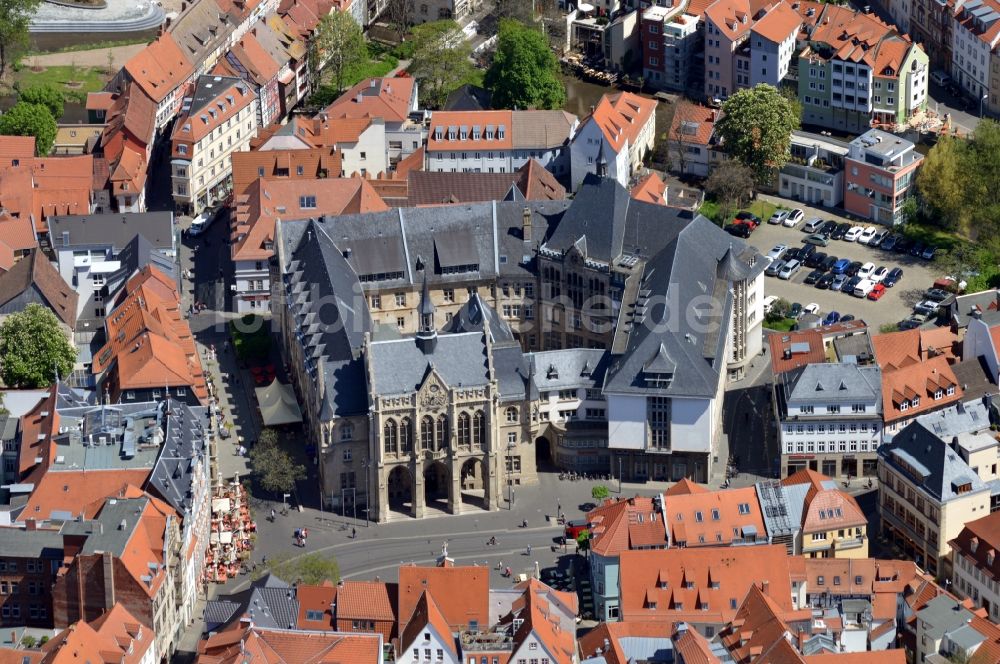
pixel 219 119
pixel 772 45
pixel 621 127
pixel 829 418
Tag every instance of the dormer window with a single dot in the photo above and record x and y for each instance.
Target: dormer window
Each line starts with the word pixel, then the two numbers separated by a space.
pixel 475 133
pixel 464 134
pixel 974 544
pixel 915 402
pixel 451 134
pixel 938 393
pixel 950 391
pixel 904 406
pixel 438 134
pixel 500 132
pixel 990 557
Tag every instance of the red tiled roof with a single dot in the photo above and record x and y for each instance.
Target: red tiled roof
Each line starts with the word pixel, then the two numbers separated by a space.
pixel 16 147
pixel 369 600
pixel 979 543
pixel 460 593
pixel 651 189
pixel 427 614
pixel 606 636
pixel 160 67
pixel 778 24
pixel 280 164
pixel 78 492
pixel 693 123
pixel 472 121
pixel 782 357
pixel 320 598
pixel 196 124
pixel 278 646
pixel 713 518
pixel 920 381
pixel 386 98
pixel 619 525
pixel 621 117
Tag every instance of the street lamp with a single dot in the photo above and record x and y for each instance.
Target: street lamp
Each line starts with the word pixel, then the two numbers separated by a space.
pixel 619 474
pixel 981 100
pixel 366 464
pixel 510 477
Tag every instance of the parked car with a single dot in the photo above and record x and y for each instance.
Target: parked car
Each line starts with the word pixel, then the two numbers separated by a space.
pixel 889 243
pixel 853 234
pixel 880 235
pixel 891 279
pixel 789 269
pixel 840 267
pixel 828 227
pixel 864 287
pixel 877 292
pixel 815 259
pixel 853 268
pixel 817 239
pixel 903 246
pixel 828 263
pixel 838 282
pixel 825 281
pixel 831 318
pixel 851 284
pixel 910 323
pixel 778 216
pixel 806 250
pixel 917 249
pixel 841 231
pixel 793 218
pixel 814 225
pixel 814 276
pixel 811 308
pixel 795 311
pixel 775 267
pixel 201 223
pixel 880 273
pixel 929 252
pixel 769 303
pixel 866 270
pixel 749 216
pixel 847 318
pixel 937 295
pixel 777 251
pixel 867 234
pixel 739 230
pixel 928 307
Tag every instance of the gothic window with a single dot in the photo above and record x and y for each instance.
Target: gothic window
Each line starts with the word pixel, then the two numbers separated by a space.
pixel 427 433
pixel 658 416
pixel 406 435
pixel 442 432
pixel 389 436
pixel 464 433
pixel 512 415
pixel 478 429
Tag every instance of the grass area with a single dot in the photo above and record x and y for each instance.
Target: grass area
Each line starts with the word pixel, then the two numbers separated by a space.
pixel 379 63
pixel 942 239
pixel 713 210
pixel 92 46
pixel 783 325
pixel 89 79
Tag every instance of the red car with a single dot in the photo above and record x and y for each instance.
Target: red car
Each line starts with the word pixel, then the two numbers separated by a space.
pixel 877 292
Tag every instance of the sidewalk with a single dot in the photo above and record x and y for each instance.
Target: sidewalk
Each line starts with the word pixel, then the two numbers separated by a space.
pixel 97 57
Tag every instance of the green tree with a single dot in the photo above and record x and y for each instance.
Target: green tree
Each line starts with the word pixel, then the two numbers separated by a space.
pixel 942 182
pixel 441 60
pixel 34 348
pixel 339 45
pixel 525 71
pixel 15 15
pixel 583 540
pixel 46 95
pixel 886 328
pixel 311 569
pixel 756 130
pixel 30 120
pixel 273 467
pixel 600 493
pixel 731 185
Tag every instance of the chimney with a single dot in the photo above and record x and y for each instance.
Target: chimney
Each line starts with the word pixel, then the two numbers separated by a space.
pixel 526 224
pixel 765 587
pixel 715 115
pixel 30 524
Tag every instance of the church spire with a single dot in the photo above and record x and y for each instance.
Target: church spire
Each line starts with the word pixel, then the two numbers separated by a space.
pixel 427 332
pixel 602 161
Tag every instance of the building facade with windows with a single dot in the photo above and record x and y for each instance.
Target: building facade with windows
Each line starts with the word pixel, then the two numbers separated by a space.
pixel 670 39
pixel 815 173
pixel 830 419
pixel 880 171
pixel 218 119
pixel 29 564
pixel 975 568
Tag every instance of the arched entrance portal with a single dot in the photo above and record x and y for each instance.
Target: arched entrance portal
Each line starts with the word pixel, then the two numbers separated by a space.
pixel 436 485
pixel 473 483
pixel 400 489
pixel 543 453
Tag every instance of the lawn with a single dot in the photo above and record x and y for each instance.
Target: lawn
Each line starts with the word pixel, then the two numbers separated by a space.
pixel 88 79
pixel 379 63
pixel 711 209
pixel 940 238
pixel 783 325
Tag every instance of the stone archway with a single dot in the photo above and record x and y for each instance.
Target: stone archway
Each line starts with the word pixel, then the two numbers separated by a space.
pixel 543 453
pixel 400 490
pixel 473 482
pixel 437 486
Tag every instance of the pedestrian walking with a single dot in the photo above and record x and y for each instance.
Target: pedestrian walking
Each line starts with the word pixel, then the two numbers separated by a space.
pixel 529 549
pixel 272 515
pixel 354 533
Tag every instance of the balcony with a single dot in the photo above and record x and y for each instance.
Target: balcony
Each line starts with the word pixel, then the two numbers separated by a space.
pixel 847 544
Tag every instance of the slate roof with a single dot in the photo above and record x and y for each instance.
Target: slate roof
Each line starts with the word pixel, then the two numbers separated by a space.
pixel 834 382
pixel 22 543
pixel 569 368
pixel 114 229
pixel 34 272
pixel 399 366
pixel 273 605
pixel 532 181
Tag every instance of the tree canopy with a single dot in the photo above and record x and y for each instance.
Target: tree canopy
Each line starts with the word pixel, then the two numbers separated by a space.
pixel 46 95
pixel 33 348
pixel 600 492
pixel 441 60
pixel 30 120
pixel 756 130
pixel 15 16
pixel 731 184
pixel 339 45
pixel 273 467
pixel 525 71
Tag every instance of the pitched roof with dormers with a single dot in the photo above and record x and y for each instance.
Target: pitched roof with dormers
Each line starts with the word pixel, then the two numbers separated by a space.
pixel 548 615
pixel 426 613
pixel 16 148
pixel 607 638
pixel 735 18
pixel 388 98
pixel 693 123
pixel 460 594
pixel 619 525
pixel 686 584
pixel 78 492
pixel 778 24
pixel 309 163
pixel 979 544
pixel 621 117
pixel 715 518
pixel 651 189
pixel 370 600
pixel 160 67
pixel 117 636
pixel 912 389
pixel 470 130
pixel 215 101
pixel 756 628
pixel 282 646
pixel 316 601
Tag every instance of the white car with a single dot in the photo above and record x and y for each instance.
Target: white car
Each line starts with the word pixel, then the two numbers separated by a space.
pixel 811 308
pixel 789 269
pixel 867 234
pixel 864 287
pixel 778 217
pixel 852 235
pixel 793 218
pixel 866 271
pixel 777 251
pixel 878 275
pixel 202 222
pixel 769 303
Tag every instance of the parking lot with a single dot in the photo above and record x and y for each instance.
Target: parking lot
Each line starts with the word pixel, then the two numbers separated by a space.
pixel 894 306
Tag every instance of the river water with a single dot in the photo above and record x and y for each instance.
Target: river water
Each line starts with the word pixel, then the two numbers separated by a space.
pixel 582 95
